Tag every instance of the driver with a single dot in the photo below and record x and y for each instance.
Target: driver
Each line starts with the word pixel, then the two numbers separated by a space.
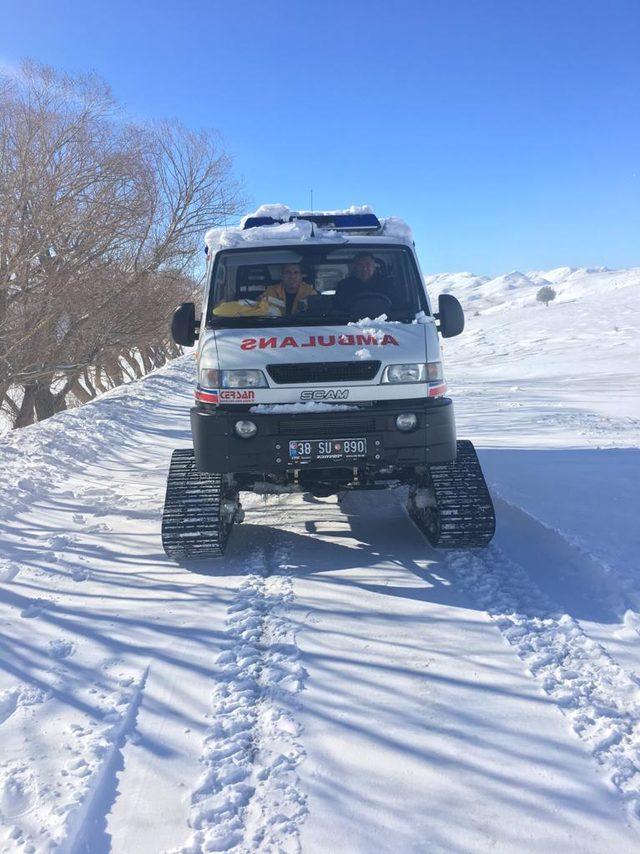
pixel 365 278
pixel 290 295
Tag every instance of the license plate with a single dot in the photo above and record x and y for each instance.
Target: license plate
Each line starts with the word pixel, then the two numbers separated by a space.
pixel 306 450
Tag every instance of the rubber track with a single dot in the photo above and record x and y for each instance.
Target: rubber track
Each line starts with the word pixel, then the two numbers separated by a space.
pixel 191 522
pixel 466 514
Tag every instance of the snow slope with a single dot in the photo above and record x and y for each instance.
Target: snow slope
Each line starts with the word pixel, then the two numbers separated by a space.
pixel 334 684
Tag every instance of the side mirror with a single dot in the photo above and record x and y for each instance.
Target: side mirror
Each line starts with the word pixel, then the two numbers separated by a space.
pixel 184 328
pixel 450 315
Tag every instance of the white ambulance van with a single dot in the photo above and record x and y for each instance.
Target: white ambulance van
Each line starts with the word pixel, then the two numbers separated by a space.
pixel 319 370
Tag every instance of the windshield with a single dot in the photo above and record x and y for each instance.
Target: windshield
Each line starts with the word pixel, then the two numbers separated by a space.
pixel 306 285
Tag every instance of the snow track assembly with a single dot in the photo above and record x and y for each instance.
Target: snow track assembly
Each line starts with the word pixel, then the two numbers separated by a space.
pixel 320 371
pixel 456 510
pixel 199 510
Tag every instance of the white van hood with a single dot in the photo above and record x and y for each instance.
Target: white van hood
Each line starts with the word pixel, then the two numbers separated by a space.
pixel 258 348
pixel 253 348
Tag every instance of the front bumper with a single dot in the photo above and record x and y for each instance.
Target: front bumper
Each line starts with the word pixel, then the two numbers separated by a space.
pixel 218 449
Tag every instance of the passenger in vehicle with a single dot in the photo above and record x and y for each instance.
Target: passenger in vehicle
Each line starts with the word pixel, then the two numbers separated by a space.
pixel 286 297
pixel 290 295
pixel 365 278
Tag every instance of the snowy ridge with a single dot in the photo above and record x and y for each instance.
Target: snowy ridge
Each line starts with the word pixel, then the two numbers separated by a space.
pixel 535 377
pixel 516 289
pixel 249 793
pixel 44 454
pixel 601 701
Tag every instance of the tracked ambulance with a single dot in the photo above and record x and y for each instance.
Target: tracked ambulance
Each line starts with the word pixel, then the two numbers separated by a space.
pixel 319 370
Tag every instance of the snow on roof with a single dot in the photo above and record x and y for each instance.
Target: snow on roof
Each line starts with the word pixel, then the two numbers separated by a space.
pixel 394 226
pixel 228 238
pixel 354 209
pixel 279 211
pixel 233 236
pixel 276 211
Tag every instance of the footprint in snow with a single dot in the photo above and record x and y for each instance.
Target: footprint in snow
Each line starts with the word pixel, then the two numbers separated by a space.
pixel 18 790
pixel 61 648
pixel 80 574
pixel 100 528
pixel 59 541
pixel 8 570
pixel 78 767
pixel 35 609
pixel 12 699
pixel 31 695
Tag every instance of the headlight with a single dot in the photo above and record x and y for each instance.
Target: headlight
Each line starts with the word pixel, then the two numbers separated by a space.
pixel 245 429
pixel 407 421
pixel 414 373
pixel 210 378
pixel 243 379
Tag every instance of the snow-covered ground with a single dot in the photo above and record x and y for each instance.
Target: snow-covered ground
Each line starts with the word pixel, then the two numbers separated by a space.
pixel 334 684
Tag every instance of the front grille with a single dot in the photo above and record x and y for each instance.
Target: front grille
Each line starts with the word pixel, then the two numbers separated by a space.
pixel 324 372
pixel 320 426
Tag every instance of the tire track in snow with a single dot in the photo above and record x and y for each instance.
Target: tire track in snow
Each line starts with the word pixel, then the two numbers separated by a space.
pixel 601 701
pixel 70 813
pixel 249 794
pixel 86 826
pixel 276 812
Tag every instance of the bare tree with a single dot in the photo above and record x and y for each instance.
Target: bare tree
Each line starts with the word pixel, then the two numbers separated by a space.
pixel 100 227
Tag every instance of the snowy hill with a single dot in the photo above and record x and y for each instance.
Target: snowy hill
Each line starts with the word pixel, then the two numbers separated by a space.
pixel 516 289
pixel 334 684
pixel 566 374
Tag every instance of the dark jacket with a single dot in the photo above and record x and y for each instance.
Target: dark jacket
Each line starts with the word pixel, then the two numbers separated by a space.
pixel 352 287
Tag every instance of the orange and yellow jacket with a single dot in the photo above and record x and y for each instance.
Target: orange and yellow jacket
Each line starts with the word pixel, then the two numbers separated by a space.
pixel 272 303
pixel 275 295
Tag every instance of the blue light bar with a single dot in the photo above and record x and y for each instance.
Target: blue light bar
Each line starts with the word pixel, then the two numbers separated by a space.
pixel 339 222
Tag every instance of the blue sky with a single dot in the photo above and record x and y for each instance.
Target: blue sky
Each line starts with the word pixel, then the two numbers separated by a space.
pixel 507 132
